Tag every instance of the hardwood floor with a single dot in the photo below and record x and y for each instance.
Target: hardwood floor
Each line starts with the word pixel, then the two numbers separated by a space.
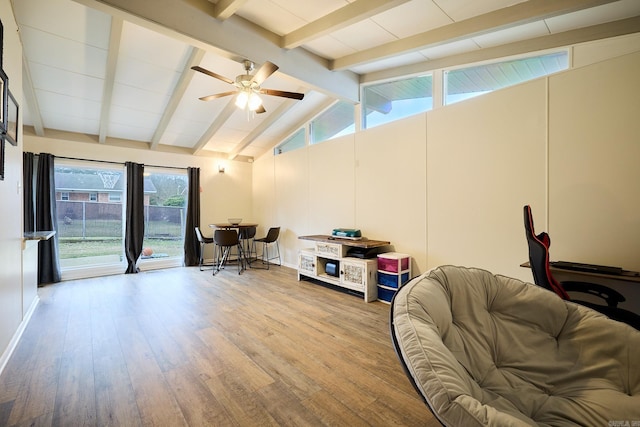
pixel 182 347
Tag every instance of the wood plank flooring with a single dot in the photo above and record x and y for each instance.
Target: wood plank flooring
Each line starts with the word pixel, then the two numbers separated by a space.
pixel 180 347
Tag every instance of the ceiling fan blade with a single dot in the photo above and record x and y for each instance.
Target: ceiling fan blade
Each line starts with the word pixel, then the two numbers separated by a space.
pixel 212 74
pixel 264 72
pixel 217 95
pixel 282 93
pixel 261 110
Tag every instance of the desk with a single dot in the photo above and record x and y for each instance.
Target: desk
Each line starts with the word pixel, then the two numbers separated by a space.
pixel 625 276
pixel 625 283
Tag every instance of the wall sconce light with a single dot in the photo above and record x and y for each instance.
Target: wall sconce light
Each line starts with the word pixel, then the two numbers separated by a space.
pixel 220 169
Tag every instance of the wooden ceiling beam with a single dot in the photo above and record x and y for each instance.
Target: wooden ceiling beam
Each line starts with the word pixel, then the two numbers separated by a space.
pixel 518 14
pixel 192 21
pixel 350 14
pixel 30 98
pixel 216 125
pixel 551 41
pixel 110 76
pixel 195 57
pixel 225 8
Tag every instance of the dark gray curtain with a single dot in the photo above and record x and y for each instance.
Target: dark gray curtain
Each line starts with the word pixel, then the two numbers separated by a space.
pixel 48 261
pixel 27 193
pixel 191 244
pixel 134 229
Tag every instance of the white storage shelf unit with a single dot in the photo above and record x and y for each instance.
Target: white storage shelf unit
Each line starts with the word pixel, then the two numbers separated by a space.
pixel 327 261
pixel 394 270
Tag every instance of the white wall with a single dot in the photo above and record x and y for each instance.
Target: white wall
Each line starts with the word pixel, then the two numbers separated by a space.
pixel 11 292
pixel 594 155
pixel 390 191
pixel 449 186
pixel 486 159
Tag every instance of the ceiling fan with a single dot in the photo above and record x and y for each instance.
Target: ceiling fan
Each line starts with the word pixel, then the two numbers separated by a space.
pixel 248 86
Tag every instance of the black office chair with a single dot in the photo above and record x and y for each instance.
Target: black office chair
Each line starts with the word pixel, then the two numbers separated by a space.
pixel 203 242
pixel 269 239
pixel 539 260
pixel 225 241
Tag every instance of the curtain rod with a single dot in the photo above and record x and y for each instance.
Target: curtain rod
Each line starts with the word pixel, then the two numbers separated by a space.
pixel 113 163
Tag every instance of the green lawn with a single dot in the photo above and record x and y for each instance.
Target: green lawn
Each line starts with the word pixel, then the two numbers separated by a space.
pixel 72 248
pixel 105 238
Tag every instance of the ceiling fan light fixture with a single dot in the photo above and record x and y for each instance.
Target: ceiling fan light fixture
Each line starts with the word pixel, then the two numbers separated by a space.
pixel 242 99
pixel 254 101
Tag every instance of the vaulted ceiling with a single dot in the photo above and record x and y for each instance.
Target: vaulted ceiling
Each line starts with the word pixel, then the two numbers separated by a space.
pixel 119 71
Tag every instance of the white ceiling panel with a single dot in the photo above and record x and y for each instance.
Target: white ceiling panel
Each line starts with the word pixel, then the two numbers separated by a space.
pixel 459 10
pixel 65 105
pixel 132 117
pixel 244 121
pixel 510 35
pixel 271 16
pixel 363 35
pixel 153 96
pixel 414 17
pixel 132 132
pixel 66 54
pixel 396 61
pixel 311 10
pixel 597 15
pixel 329 47
pixel 64 122
pixel 153 48
pixel 65 19
pixel 448 49
pixel 143 75
pixel 65 82
pixel 138 99
pixel 193 109
pixel 180 139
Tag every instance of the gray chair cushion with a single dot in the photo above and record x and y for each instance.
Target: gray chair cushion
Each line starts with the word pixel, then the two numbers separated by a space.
pixel 490 350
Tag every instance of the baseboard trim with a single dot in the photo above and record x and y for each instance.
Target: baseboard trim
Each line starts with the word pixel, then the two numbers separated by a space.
pixel 13 344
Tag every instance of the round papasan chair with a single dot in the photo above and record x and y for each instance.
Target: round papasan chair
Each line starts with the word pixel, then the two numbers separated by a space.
pixel 489 350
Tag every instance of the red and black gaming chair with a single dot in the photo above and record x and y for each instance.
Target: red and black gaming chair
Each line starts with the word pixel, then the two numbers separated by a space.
pixel 539 260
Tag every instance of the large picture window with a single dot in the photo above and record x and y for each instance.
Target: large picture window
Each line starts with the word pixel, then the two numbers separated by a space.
pixel 90 231
pixel 90 199
pixel 165 204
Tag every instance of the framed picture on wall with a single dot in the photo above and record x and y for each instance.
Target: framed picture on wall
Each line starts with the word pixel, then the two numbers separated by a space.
pixel 4 94
pixel 12 120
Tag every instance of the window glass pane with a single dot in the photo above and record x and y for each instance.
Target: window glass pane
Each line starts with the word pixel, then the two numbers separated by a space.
pixel 337 121
pixel 293 143
pixel 469 82
pixel 90 233
pixel 386 102
pixel 165 203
